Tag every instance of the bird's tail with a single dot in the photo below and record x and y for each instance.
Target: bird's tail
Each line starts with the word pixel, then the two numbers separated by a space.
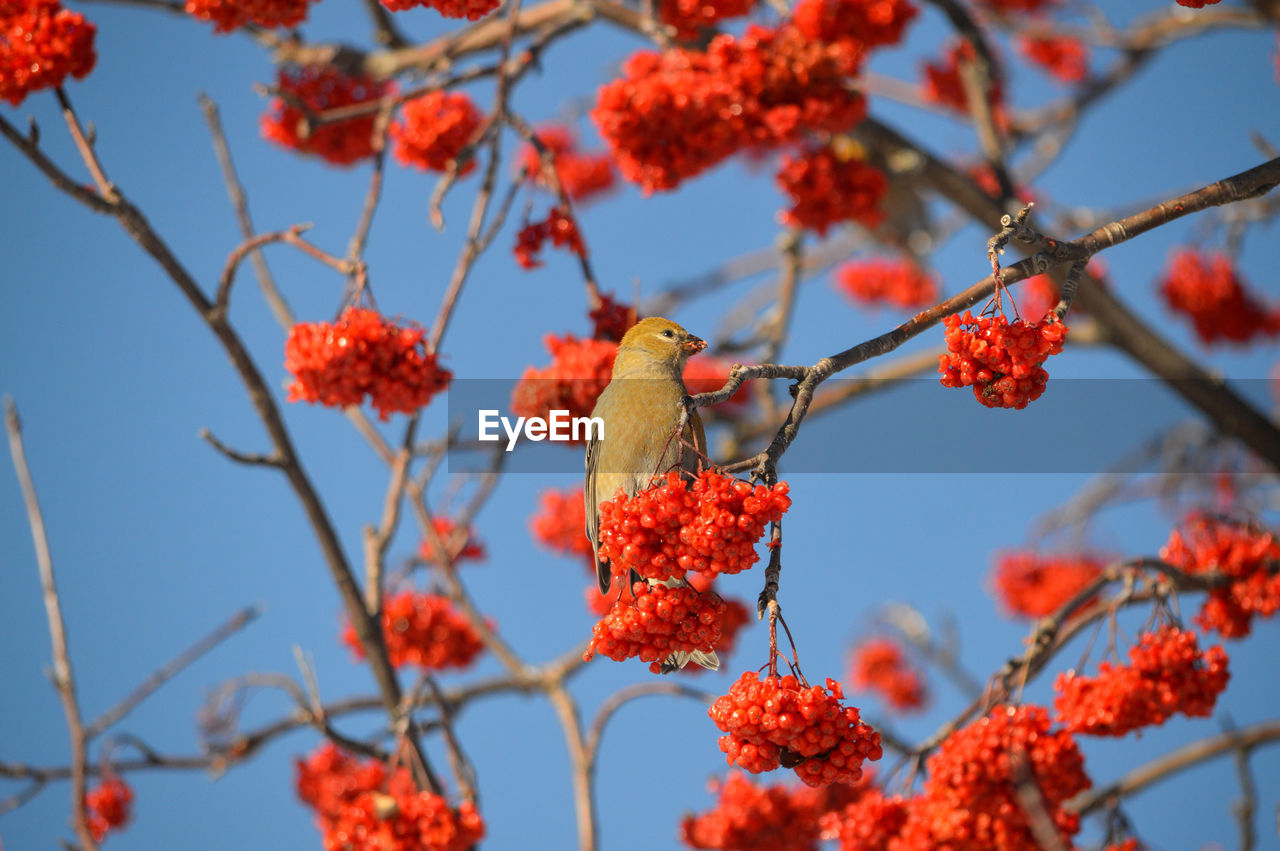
pixel 706 658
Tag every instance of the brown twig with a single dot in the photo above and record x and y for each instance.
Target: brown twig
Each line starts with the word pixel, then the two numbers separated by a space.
pixel 63 677
pixel 625 695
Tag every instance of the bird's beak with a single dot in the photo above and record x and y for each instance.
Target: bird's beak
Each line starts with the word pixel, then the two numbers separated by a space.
pixel 693 344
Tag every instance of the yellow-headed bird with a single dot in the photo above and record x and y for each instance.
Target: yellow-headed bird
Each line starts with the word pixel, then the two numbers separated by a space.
pixel 640 409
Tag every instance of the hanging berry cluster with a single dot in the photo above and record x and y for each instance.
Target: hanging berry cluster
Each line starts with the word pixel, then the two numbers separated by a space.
pixel 676 114
pixel 467 548
pixel 657 622
pixel 710 525
pixel 1036 586
pixel 899 283
pixel 612 319
pixel 1000 360
pixel 433 130
pixel 1207 289
pixel 826 188
pixel 581 175
pixel 107 806
pixel 228 15
pixel 874 23
pixel 559 227
pixel 41 44
pixel 362 354
pixel 781 721
pixel 1066 58
pixel 879 665
pixel 361 806
pixel 472 10
pixel 870 822
pixel 578 373
pixel 1244 552
pixel 1166 675
pixel 763 818
pixel 423 630
pixel 690 17
pixel 319 89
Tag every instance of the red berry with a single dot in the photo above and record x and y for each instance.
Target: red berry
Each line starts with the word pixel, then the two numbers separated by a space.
pixel 880 665
pixel 424 630
pixel 1000 360
pixel 228 15
pixel 1208 290
pixel 322 88
pixel 1036 586
pixel 1242 551
pixel 41 44
pixel 108 805
pixel 899 283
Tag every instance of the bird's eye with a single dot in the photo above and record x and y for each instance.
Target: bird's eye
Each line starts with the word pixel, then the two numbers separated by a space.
pixel 668 333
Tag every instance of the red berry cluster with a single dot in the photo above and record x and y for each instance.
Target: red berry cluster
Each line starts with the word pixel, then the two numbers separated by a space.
pixel 943 84
pixel 1000 360
pixel 748 817
pixel 578 373
pixel 709 525
pixel 1066 58
pixel 690 17
pixel 825 189
pixel 970 798
pixel 657 622
pixel 322 88
pixel 581 175
pixel 676 114
pixel 433 130
pixel 1207 289
pixel 1197 4
pixel 612 319
pixel 472 10
pixel 424 630
pixel 879 665
pixel 107 806
pixel 467 547
pixel 40 45
pixel 360 806
pixel 899 283
pixel 707 374
pixel 778 721
pixel 228 15
pixel 874 23
pixel 1244 552
pixel 559 227
pixel 338 364
pixel 561 522
pixel 1036 586
pixel 871 822
pixel 1166 674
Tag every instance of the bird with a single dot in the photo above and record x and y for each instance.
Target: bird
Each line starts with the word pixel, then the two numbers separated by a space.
pixel 640 408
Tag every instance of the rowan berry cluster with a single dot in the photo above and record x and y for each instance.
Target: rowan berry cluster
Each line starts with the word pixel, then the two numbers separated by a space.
pixel 1036 586
pixel 320 89
pixel 229 15
pixel 424 630
pixel 559 227
pixel 1246 553
pixel 472 10
pixel 1208 290
pixel 707 374
pixel 578 373
pixel 1166 674
pixel 780 721
pixel 581 175
pixel 561 522
pixel 748 817
pixel 657 622
pixel 467 548
pixel 874 23
pixel 107 806
pixel 899 283
pixel 709 525
pixel 41 44
pixel 870 822
pixel 691 17
pixel 879 665
pixel 1000 360
pixel 362 354
pixel 612 319
pixel 970 798
pixel 361 806
pixel 1197 4
pixel 943 83
pixel 676 114
pixel 826 188
pixel 433 130
pixel 1067 59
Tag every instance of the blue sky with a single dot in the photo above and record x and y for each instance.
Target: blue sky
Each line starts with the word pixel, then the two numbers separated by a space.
pixel 156 538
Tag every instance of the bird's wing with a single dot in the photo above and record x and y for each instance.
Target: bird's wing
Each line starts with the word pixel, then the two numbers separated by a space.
pixel 593 520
